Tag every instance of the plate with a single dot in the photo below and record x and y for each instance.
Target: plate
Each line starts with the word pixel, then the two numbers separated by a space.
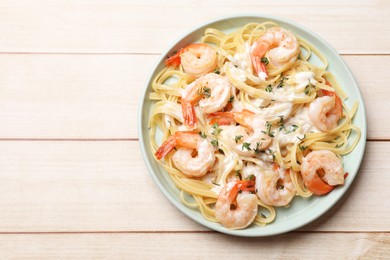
pixel 301 211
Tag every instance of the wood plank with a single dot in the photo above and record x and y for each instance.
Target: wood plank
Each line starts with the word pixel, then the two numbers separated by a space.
pixel 195 246
pixel 68 186
pixel 97 96
pixel 121 26
pixel 71 96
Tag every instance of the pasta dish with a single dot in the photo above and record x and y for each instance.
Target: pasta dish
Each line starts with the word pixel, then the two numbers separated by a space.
pixel 247 123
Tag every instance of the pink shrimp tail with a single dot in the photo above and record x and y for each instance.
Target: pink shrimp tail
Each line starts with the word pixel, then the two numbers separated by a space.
pixel 228 118
pixel 221 118
pixel 189 114
pixel 174 60
pixel 166 147
pixel 259 66
pixel 242 185
pixel 318 186
pixel 338 103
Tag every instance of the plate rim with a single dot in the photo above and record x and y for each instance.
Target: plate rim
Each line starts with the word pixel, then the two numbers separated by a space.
pixel 186 211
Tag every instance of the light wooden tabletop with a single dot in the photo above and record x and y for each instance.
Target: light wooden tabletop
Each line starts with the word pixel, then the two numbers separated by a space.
pixel 73 183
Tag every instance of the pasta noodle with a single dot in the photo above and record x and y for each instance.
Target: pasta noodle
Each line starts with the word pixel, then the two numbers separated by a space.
pixel 282 97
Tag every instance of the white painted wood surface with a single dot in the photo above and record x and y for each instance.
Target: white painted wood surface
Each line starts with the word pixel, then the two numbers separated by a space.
pixel 73 183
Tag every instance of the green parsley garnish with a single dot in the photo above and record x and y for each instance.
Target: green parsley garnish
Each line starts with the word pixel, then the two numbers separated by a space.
pixel 264 60
pixel 268 132
pixel 217 130
pixel 302 147
pixel 238 138
pixel 238 174
pixel 203 135
pixel 282 82
pixel 257 149
pixel 206 92
pixel 309 88
pixel 246 146
pixel 214 142
pixel 268 89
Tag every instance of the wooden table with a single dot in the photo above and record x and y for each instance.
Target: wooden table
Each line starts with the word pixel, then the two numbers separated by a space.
pixel 73 183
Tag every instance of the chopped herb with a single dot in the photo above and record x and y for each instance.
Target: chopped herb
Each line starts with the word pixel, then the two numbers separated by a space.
pixel 217 130
pixel 214 142
pixel 268 125
pixel 270 152
pixel 203 135
pixel 257 150
pixel 309 88
pixel 302 147
pixel 251 177
pixel 280 187
pixel 221 151
pixel 282 82
pixel 206 92
pixel 246 146
pixel 170 123
pixel 268 88
pixel 216 71
pixel 281 120
pixel 231 99
pixel 238 138
pixel 268 131
pixel 339 145
pixel 304 136
pixel 270 134
pixel 215 183
pixel 238 174
pixel 264 60
pixel 292 129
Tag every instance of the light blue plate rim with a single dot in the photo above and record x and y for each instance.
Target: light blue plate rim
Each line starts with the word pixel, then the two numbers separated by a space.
pixel 314 208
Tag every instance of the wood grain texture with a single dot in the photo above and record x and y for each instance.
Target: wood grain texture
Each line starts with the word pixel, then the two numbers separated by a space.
pixel 97 96
pixel 196 246
pixel 104 186
pixel 71 74
pixel 122 26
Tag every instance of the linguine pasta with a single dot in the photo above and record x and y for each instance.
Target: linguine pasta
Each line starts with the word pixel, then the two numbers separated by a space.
pixel 281 99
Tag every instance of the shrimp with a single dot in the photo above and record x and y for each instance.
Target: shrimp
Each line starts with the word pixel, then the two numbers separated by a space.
pixel 215 91
pixel 326 111
pixel 197 59
pixel 183 158
pixel 274 187
pixel 282 47
pixel 236 207
pixel 321 171
pixel 248 138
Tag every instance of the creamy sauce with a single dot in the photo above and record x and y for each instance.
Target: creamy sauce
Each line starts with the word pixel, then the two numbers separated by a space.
pixel 303 79
pixel 242 59
pixel 304 126
pixel 240 64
